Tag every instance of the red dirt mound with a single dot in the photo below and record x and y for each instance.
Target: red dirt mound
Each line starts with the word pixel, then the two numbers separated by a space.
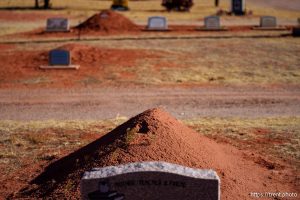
pixel 155 135
pixel 108 21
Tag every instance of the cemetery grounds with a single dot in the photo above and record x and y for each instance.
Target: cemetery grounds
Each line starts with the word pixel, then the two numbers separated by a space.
pixel 238 87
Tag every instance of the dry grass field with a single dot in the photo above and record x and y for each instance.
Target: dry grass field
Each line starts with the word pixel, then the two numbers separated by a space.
pixel 79 10
pixel 27 144
pixel 221 61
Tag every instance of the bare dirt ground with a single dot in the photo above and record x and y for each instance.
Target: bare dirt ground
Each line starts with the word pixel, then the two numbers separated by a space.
pixel 184 103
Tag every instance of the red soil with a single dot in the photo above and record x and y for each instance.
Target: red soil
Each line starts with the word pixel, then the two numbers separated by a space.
pixel 100 63
pixel 108 21
pixel 6 47
pixel 154 135
pixel 21 16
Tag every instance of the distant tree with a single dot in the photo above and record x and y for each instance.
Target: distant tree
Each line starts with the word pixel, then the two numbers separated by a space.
pixel 36 4
pixel 47 4
pixel 216 3
pixel 178 5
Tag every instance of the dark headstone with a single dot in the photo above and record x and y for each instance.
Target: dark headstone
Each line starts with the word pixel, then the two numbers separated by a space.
pixel 296 32
pixel 150 180
pixel 59 57
pixel 238 7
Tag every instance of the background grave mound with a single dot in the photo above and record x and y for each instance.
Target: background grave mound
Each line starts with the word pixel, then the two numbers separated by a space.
pixel 108 21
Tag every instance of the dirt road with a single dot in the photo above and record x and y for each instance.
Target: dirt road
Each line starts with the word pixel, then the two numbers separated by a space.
pixel 93 104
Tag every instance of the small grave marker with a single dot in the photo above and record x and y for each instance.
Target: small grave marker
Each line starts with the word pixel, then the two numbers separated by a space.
pixel 157 23
pixel 212 22
pixel 59 59
pixel 150 180
pixel 57 25
pixel 238 7
pixel 268 22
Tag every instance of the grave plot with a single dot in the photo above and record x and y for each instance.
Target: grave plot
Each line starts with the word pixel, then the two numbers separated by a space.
pixel 94 61
pixel 268 23
pixel 212 23
pixel 153 135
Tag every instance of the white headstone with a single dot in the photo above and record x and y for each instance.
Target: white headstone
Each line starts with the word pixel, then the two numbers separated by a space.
pixel 268 22
pixel 159 23
pixel 212 22
pixel 150 180
pixel 57 25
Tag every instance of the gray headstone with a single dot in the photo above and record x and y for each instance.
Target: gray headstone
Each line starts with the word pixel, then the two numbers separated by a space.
pixel 59 57
pixel 212 22
pixel 150 180
pixel 268 22
pixel 238 7
pixel 157 23
pixel 57 25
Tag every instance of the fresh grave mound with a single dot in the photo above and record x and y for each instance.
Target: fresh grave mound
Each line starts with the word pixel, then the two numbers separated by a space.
pixel 154 135
pixel 108 21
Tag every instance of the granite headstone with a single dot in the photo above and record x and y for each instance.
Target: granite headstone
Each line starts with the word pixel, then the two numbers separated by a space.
pixel 268 22
pixel 157 23
pixel 150 180
pixel 212 22
pixel 59 57
pixel 57 25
